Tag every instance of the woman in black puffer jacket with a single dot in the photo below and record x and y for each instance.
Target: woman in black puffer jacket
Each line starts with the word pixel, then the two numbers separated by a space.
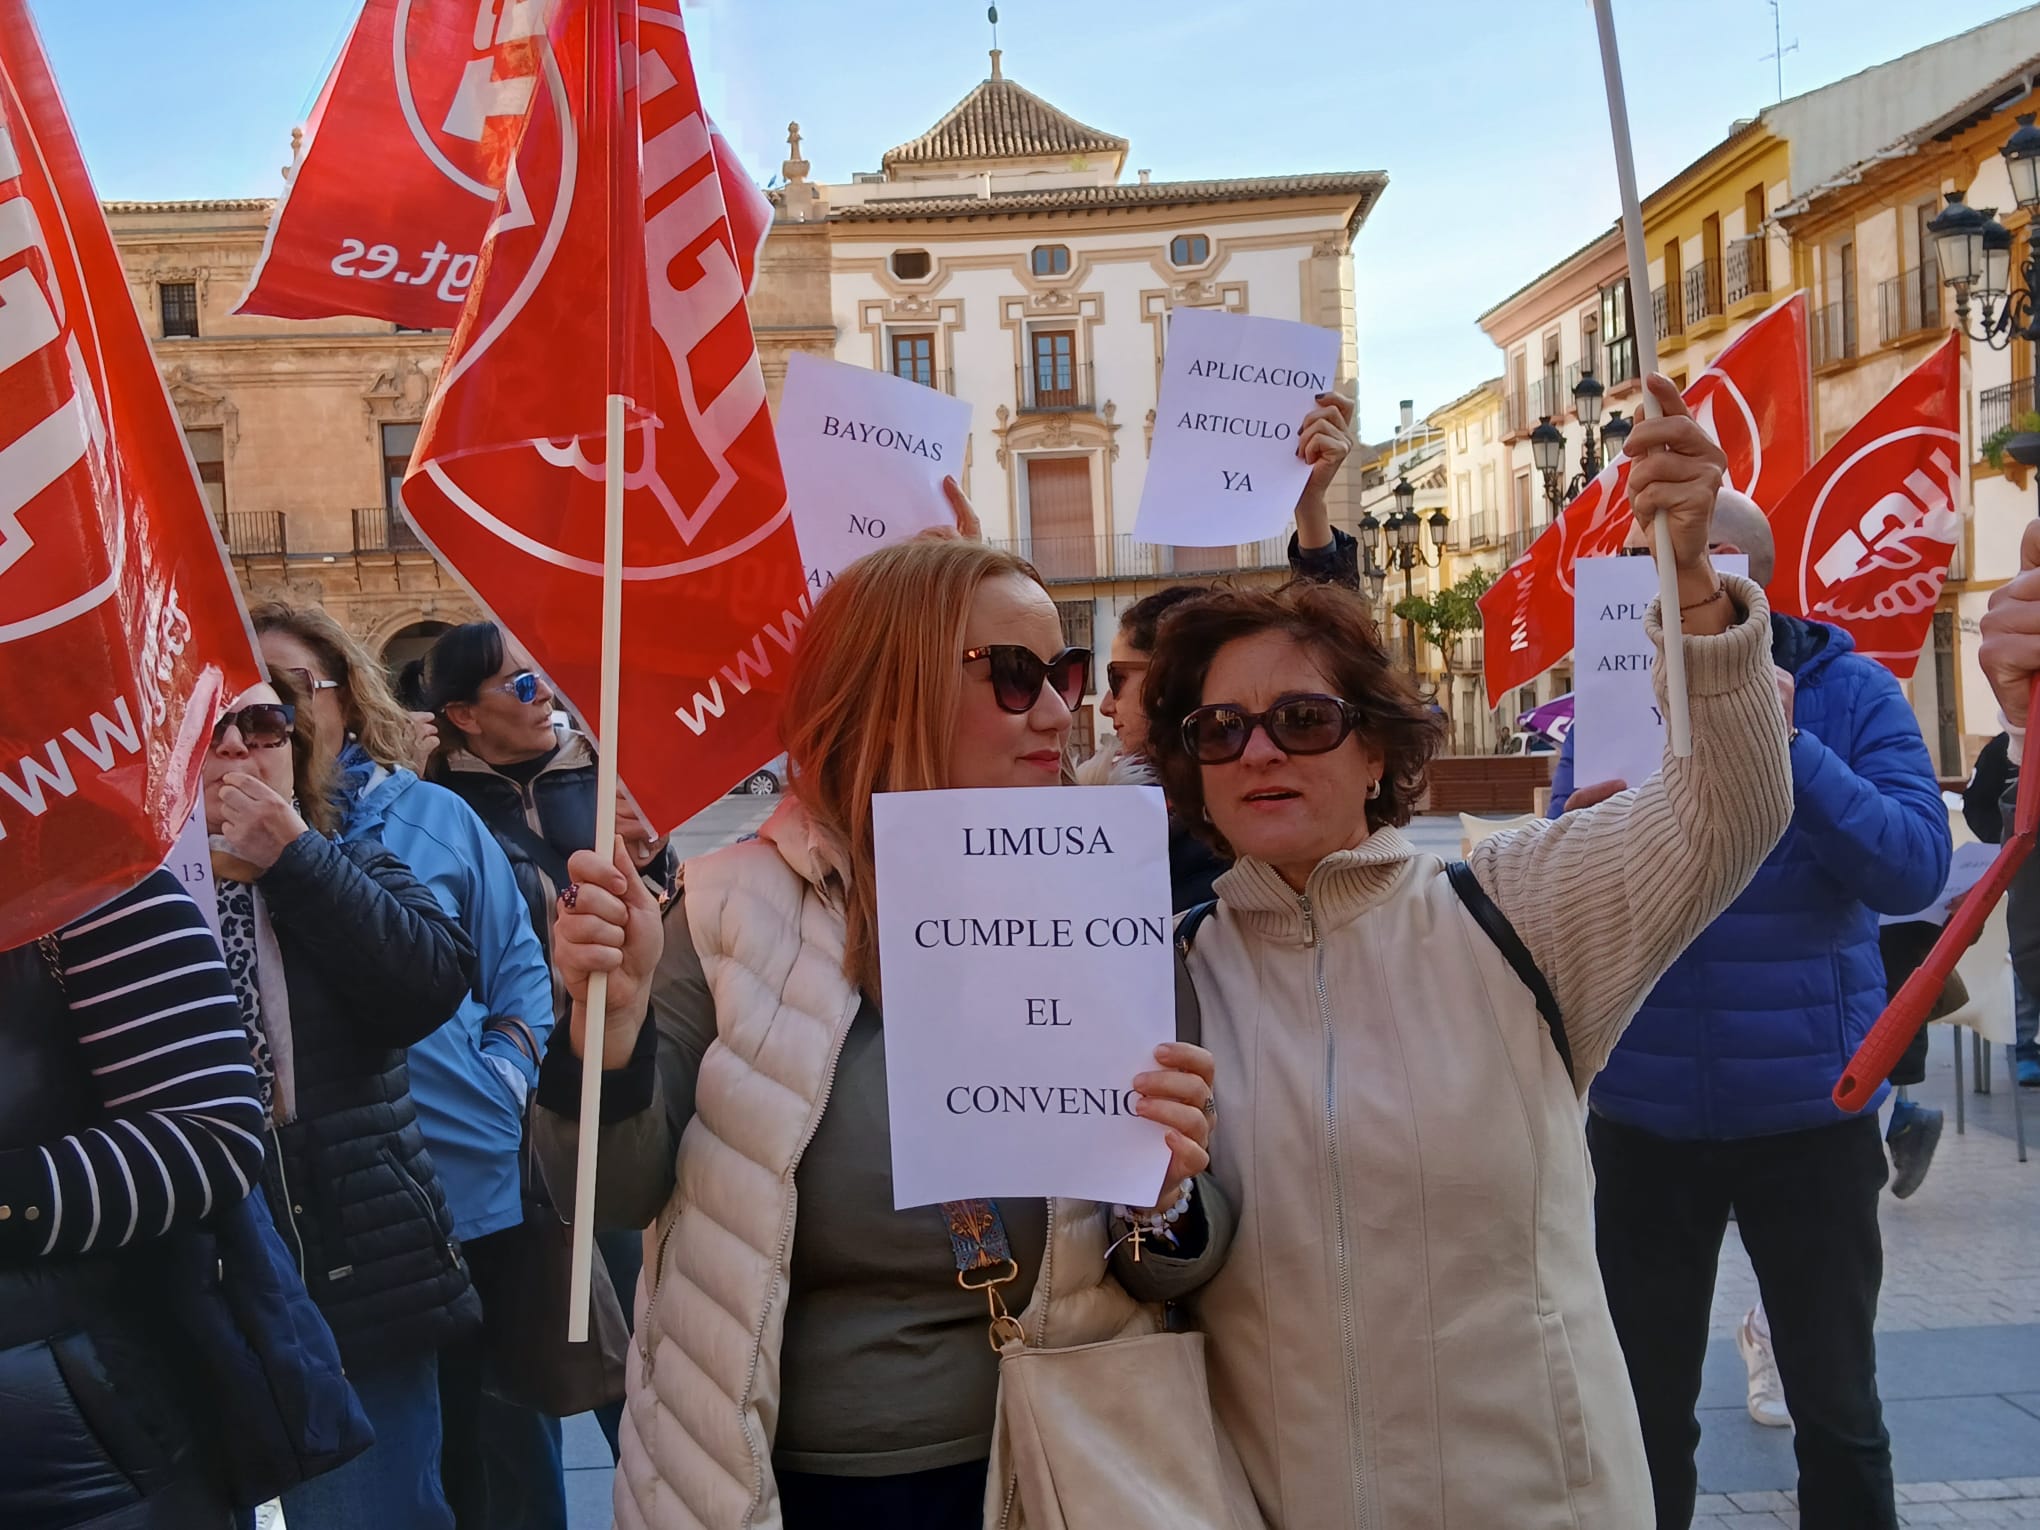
pixel 340 960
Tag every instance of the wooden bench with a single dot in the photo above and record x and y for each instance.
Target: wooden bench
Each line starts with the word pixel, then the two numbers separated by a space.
pixel 1489 783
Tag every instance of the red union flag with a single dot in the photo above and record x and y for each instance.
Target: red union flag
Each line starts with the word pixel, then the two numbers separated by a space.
pixel 1752 401
pixel 120 630
pixel 506 482
pixel 1864 540
pixel 406 156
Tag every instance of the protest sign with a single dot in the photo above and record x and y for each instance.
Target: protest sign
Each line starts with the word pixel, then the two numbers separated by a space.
pixel 865 454
pixel 191 863
pixel 1235 389
pixel 1029 975
pixel 1618 732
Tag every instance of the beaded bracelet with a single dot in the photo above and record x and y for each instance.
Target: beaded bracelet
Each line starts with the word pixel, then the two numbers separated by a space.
pixel 1159 1223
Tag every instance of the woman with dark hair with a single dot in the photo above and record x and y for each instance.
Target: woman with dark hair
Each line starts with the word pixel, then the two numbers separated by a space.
pixel 1318 551
pixel 1411 1328
pixel 532 782
pixel 339 961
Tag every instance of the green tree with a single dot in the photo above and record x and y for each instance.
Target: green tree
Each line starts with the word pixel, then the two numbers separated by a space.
pixel 1443 618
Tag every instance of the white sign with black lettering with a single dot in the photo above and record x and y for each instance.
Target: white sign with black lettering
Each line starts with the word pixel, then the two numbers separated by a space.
pixel 1618 733
pixel 1028 960
pixel 865 454
pixel 1235 389
pixel 191 863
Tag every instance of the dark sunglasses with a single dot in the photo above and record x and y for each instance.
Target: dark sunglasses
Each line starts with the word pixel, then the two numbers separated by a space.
pixel 523 685
pixel 264 725
pixel 1018 674
pixel 1117 676
pixel 309 685
pixel 1218 735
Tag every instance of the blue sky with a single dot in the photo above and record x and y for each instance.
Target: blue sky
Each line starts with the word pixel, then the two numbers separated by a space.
pixel 1486 114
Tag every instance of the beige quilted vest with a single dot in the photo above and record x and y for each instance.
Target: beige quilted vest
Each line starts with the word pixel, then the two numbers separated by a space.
pixel 700 1412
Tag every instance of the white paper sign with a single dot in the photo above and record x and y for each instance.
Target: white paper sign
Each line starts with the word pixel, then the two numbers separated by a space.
pixel 865 454
pixel 1618 734
pixel 191 863
pixel 1028 954
pixel 1235 389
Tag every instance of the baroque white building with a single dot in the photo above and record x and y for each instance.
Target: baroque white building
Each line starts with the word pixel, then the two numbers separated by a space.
pixel 1005 257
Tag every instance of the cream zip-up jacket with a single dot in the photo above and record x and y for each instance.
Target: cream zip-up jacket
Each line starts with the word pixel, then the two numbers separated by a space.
pixel 1411 1332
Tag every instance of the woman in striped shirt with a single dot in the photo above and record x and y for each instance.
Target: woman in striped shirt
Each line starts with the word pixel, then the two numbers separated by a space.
pixel 128 1111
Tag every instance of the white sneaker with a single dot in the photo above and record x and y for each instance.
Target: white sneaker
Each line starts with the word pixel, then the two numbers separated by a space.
pixel 1767 1392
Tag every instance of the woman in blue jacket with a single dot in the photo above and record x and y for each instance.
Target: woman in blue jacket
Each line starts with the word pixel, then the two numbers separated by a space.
pixel 501 1464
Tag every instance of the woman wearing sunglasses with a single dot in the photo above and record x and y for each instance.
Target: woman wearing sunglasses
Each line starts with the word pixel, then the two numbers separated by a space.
pixel 805 1354
pixel 340 960
pixel 1318 551
pixel 1411 1328
pixel 470 1078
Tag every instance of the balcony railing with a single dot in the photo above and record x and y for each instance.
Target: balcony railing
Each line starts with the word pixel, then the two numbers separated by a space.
pixel 940 381
pixel 1703 292
pixel 255 533
pixel 1480 528
pixel 1834 334
pixel 381 529
pixel 1997 407
pixel 1070 560
pixel 1526 408
pixel 1055 387
pixel 1910 303
pixel 1622 367
pixel 1748 268
pixel 1665 313
pixel 1517 543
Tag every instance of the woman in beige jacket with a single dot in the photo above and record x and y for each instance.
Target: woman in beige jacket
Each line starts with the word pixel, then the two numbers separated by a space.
pixel 1410 1331
pixel 806 1355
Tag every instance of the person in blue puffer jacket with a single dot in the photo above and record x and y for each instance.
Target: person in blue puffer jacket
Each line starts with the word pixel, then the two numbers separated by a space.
pixel 1717 1100
pixel 501 1464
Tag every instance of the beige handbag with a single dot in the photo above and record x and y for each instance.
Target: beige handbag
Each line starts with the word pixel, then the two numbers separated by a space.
pixel 1111 1436
pixel 1117 1435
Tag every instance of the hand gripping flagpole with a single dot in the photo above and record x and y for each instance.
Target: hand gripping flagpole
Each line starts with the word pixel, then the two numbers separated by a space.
pixel 605 53
pixel 1907 1012
pixel 1677 718
pixel 578 1288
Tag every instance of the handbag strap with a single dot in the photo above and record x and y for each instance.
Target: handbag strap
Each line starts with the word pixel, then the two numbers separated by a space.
pixel 984 1261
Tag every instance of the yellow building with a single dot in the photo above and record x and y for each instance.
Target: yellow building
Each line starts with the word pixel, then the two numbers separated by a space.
pixel 1712 258
pixel 1862 248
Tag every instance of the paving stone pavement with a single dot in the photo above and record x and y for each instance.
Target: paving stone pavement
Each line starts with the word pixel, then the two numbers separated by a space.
pixel 1958 1321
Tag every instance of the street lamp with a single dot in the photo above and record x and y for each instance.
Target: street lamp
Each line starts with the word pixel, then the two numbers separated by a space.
pixel 1615 434
pixel 1975 252
pixel 1547 451
pixel 1398 542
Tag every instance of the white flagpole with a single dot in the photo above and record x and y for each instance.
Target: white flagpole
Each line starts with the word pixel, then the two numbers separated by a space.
pixel 605 838
pixel 1677 718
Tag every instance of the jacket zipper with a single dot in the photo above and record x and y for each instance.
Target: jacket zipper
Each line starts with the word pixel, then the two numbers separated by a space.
pixel 1041 1297
pixel 1348 1334
pixel 290 1208
pixel 779 1256
pixel 424 1206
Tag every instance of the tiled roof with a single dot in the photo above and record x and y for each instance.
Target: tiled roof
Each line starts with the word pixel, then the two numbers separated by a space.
pixel 204 204
pixel 1000 120
pixel 1364 185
